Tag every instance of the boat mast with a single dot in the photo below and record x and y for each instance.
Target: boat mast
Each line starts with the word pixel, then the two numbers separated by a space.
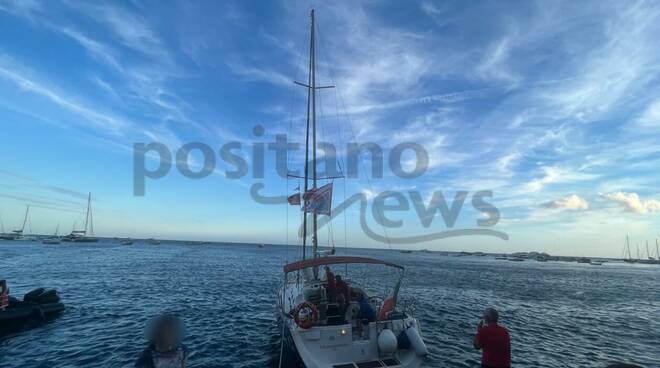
pixel 27 210
pixel 313 92
pixel 89 198
pixel 309 100
pixel 311 123
pixel 91 219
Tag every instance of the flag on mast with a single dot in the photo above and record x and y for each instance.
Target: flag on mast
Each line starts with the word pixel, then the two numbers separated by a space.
pixel 294 199
pixel 319 200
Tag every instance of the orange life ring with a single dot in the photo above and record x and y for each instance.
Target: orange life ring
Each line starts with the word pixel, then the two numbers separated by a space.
pixel 311 320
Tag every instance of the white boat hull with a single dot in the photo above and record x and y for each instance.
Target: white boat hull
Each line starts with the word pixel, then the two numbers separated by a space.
pixel 333 347
pixel 342 346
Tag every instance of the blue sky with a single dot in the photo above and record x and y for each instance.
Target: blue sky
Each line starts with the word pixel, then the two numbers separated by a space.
pixel 554 106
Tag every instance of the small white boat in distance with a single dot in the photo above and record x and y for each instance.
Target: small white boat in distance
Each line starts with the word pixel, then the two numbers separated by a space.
pixel 319 334
pixel 55 239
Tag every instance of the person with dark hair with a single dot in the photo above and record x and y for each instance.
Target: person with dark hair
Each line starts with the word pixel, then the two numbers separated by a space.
pixel 4 295
pixel 343 294
pixel 367 313
pixel 165 349
pixel 493 340
pixel 331 289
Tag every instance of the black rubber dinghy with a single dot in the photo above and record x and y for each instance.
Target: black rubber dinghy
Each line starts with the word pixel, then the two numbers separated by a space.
pixel 37 307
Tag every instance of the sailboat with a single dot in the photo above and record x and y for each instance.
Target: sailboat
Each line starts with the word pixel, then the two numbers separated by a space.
pixel 55 239
pixel 3 235
pixel 19 234
pixel 626 252
pixel 649 259
pixel 87 234
pixel 320 324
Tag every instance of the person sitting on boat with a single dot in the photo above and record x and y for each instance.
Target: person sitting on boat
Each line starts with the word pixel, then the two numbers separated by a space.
pixel 493 340
pixel 342 293
pixel 331 289
pixel 367 313
pixel 4 295
pixel 165 349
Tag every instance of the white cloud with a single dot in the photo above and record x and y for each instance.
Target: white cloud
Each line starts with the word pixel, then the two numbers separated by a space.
pixel 632 203
pixel 257 74
pixel 550 175
pixel 10 71
pixel 554 175
pixel 102 52
pixel 571 202
pixel 495 64
pixel 650 117
pixel 613 71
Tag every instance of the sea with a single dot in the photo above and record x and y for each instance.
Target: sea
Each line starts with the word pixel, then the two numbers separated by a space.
pixel 559 314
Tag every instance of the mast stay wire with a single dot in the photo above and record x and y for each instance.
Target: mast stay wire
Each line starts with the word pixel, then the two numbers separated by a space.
pixel 288 157
pixel 339 97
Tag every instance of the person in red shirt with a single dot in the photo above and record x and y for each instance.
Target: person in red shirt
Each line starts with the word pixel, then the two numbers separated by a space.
pixel 494 341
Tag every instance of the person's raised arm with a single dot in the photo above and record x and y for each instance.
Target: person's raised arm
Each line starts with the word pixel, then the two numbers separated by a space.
pixel 477 341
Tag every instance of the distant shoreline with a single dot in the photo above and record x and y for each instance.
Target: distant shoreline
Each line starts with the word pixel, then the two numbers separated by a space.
pixel 402 251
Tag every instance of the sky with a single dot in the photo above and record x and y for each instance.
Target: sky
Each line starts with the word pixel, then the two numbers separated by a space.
pixel 552 106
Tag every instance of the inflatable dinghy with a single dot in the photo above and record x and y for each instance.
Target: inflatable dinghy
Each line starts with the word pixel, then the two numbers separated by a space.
pixel 37 307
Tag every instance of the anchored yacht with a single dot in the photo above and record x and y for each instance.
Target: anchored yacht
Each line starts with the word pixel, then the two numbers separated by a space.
pixel 55 239
pixel 19 234
pixel 87 234
pixel 327 321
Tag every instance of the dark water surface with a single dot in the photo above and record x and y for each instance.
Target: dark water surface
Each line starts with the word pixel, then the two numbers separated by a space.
pixel 559 314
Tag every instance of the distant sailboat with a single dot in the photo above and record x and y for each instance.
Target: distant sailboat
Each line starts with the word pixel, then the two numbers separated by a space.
pixel 3 235
pixel 55 239
pixel 153 241
pixel 648 254
pixel 626 252
pixel 20 234
pixel 86 235
pixel 649 259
